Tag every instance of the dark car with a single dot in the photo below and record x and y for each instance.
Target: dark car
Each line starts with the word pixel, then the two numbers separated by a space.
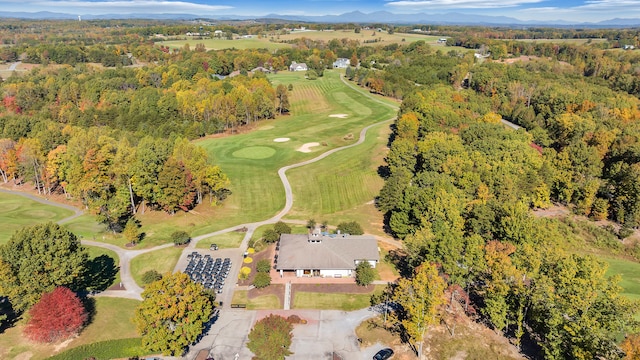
pixel 383 354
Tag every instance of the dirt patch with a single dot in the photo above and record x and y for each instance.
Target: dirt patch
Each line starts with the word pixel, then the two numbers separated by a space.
pixel 552 212
pixel 306 148
pixel 339 116
pixel 281 139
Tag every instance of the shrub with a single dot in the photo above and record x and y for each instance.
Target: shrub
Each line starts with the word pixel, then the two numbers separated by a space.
pixel 352 228
pixel 180 237
pixel 150 276
pixel 281 228
pixel 247 260
pixel 244 273
pixel 58 315
pixel 263 266
pixel 270 338
pixel 251 250
pixel 262 280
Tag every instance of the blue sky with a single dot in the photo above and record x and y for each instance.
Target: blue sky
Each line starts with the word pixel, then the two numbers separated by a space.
pixel 569 10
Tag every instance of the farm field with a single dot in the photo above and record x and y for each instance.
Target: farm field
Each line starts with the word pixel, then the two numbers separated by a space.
pixel 384 37
pixel 273 41
pixel 220 44
pixel 17 211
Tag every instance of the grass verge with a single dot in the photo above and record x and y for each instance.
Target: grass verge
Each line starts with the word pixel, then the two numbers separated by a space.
pixel 334 301
pixel 224 241
pixel 163 261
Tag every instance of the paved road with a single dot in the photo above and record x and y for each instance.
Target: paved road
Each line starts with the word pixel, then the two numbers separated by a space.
pixel 14 65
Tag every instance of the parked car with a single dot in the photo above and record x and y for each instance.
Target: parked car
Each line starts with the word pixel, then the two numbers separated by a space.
pixel 383 354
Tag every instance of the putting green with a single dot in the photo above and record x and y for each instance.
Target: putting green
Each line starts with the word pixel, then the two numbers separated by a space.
pixel 255 152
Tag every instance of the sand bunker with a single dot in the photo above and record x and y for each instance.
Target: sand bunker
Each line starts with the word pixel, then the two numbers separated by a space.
pixel 341 116
pixel 307 147
pixel 281 140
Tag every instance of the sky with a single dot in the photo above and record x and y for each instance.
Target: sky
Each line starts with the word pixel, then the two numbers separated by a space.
pixel 568 10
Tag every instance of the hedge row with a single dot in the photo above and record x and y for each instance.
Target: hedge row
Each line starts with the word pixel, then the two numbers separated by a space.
pixel 110 349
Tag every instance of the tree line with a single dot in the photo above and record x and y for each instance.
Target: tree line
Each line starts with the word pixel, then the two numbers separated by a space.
pixel 458 191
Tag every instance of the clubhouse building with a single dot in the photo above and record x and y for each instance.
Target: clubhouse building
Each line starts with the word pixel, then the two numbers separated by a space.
pixel 320 254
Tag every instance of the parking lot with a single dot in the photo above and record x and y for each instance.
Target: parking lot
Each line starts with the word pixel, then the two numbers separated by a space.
pixel 230 282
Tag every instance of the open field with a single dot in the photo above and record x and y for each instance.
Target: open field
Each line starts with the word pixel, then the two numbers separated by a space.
pixel 111 321
pixel 17 211
pixel 560 41
pixel 162 261
pixel 384 37
pixel 273 41
pixel 219 44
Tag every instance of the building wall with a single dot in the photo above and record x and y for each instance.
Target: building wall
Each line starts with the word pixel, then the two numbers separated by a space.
pixel 333 273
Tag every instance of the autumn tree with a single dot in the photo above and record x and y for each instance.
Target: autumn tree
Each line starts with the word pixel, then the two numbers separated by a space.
pixel 37 259
pixel 283 99
pixel 173 313
pixel 270 338
pixel 131 231
pixel 419 299
pixel 58 315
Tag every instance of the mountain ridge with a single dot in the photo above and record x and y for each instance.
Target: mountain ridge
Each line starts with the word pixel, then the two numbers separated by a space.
pixel 356 17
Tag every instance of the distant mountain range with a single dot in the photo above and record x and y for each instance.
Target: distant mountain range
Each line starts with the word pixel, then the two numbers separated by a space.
pixel 381 17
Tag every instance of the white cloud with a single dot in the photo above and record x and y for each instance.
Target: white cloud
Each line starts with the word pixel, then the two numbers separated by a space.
pixel 116 6
pixel 610 5
pixel 458 4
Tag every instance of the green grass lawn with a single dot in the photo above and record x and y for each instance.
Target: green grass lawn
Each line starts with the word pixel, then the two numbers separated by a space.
pixel 162 261
pixel 86 227
pixel 333 301
pixel 111 321
pixel 17 211
pixel 264 302
pixel 630 273
pixel 225 241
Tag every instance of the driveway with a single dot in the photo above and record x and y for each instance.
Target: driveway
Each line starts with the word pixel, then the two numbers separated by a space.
pixel 326 332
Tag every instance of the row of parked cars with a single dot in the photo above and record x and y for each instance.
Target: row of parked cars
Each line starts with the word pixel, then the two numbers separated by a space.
pixel 208 271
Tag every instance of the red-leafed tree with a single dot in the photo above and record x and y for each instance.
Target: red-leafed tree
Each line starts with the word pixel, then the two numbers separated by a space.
pixel 58 315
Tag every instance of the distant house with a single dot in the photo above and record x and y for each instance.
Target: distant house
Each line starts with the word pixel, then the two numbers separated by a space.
pixel 325 255
pixel 218 33
pixel 298 66
pixel 341 63
pixel 262 69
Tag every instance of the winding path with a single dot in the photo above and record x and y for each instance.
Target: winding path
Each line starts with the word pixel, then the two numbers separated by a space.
pixel 132 290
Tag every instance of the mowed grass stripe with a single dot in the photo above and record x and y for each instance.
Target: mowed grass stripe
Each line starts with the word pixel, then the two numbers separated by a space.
pixel 342 181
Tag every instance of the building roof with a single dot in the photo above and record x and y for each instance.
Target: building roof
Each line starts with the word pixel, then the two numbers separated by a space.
pixel 325 252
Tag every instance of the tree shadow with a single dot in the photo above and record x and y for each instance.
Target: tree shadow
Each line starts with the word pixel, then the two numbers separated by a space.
pixel 101 273
pixel 7 310
pixel 89 304
pixel 399 259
